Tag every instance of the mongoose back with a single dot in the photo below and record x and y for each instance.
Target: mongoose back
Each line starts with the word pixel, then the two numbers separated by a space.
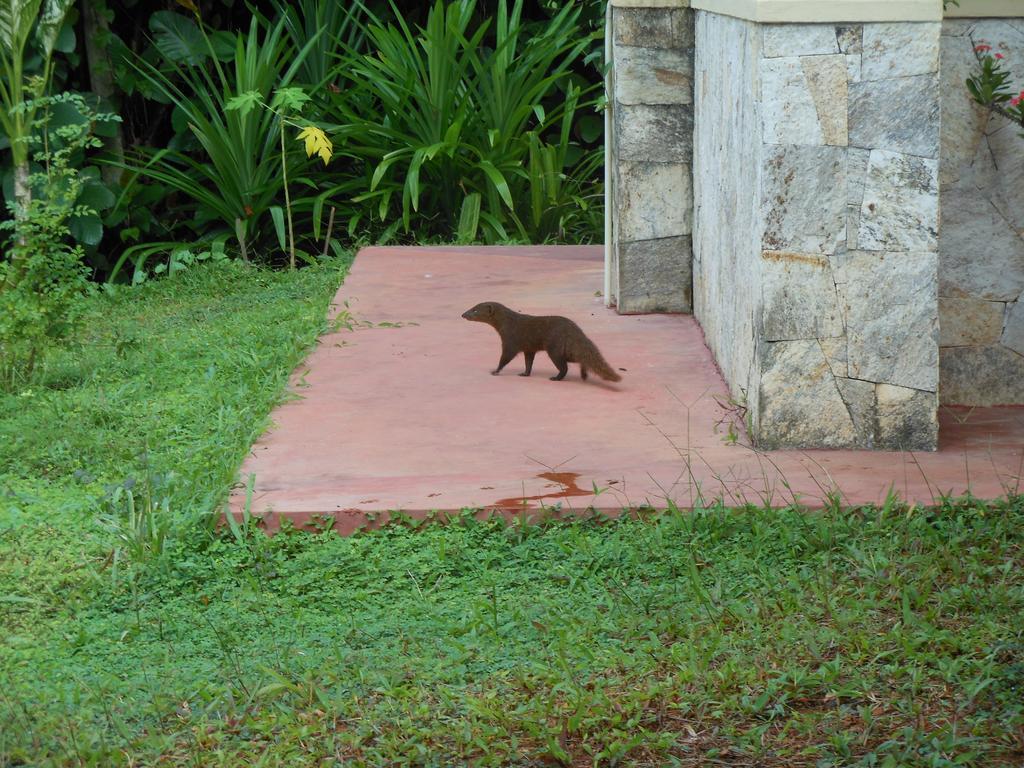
pixel 560 337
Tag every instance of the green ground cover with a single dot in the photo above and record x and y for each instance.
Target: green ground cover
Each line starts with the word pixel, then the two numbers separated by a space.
pixel 888 637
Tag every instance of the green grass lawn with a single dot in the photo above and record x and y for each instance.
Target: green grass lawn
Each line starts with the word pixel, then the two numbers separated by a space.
pixel 869 637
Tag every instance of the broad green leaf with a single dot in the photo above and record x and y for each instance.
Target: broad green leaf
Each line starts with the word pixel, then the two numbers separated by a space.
pixel 178 38
pixel 469 218
pixel 277 214
pixel 51 19
pixel 16 20
pixel 498 180
pixel 95 195
pixel 87 230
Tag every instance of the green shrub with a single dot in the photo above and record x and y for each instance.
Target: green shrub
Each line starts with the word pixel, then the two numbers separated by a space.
pixel 42 278
pixel 453 133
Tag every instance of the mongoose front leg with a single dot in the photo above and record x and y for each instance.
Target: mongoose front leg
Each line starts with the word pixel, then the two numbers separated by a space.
pixel 506 358
pixel 529 363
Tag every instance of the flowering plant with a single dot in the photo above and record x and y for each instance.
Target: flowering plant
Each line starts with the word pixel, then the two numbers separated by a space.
pixel 991 85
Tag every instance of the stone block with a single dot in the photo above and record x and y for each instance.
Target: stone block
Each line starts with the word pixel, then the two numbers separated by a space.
pixel 799 40
pixel 835 352
pixel 856 175
pixel 900 115
pixel 850 38
pixel 654 201
pixel 656 276
pixel 654 27
pixel 798 298
pixel 859 398
pixel 970 322
pixel 891 309
pixel 653 76
pixel 981 376
pixel 826 80
pixel 963 121
pixel 790 113
pixel 657 134
pixel 907 419
pixel 982 256
pixel 900 207
pixel 799 404
pixel 900 50
pixel 1013 333
pixel 804 204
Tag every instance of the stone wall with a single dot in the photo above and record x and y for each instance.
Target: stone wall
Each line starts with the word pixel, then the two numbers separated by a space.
pixel 981 241
pixel 649 152
pixel 816 241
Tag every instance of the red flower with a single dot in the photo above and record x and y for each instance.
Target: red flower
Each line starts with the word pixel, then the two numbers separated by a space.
pixel 1016 100
pixel 999 55
pixel 983 48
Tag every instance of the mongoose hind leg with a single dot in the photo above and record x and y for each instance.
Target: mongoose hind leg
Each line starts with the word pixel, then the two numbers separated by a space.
pixel 583 373
pixel 561 364
pixel 529 363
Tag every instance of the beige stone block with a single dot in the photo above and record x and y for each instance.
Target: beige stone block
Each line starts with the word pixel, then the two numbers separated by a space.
pixel 969 322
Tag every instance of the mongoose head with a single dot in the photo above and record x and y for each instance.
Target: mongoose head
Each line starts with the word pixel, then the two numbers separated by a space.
pixel 485 312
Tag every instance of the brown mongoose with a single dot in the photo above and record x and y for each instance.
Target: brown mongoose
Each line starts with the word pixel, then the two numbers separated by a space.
pixel 560 337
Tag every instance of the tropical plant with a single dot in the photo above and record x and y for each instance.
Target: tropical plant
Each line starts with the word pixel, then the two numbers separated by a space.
pixel 991 85
pixel 466 131
pixel 286 103
pixel 234 178
pixel 21 88
pixel 40 303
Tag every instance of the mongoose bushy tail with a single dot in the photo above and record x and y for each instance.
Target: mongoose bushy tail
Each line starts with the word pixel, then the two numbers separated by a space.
pixel 559 336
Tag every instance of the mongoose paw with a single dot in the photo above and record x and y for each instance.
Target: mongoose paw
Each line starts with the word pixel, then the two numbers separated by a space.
pixel 495 373
pixel 524 374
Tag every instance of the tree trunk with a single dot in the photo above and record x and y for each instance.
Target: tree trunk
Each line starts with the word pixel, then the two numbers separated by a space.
pixel 101 79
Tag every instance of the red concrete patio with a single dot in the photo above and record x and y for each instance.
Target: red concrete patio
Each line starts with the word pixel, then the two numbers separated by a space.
pixel 399 411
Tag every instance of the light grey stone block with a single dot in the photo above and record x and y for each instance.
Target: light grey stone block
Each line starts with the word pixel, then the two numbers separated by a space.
pixel 963 120
pixel 656 276
pixel 789 112
pixel 654 27
pixel 799 403
pixel 853 68
pixel 900 50
pixel 970 322
pixel 850 38
pixel 981 376
pixel 859 398
pixel 900 115
pixel 1005 176
pixel 856 175
pixel 653 76
pixel 804 204
pixel 907 419
pixel 1013 334
pixel 655 200
pixel 798 298
pixel 835 353
pixel 799 40
pixel 658 134
pixel 981 255
pixel 892 317
pixel 900 207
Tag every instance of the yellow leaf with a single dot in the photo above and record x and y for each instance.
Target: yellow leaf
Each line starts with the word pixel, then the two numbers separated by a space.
pixel 317 143
pixel 190 5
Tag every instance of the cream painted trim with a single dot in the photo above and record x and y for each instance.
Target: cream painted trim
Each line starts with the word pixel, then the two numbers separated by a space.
pixel 811 11
pixel 651 3
pixel 972 9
